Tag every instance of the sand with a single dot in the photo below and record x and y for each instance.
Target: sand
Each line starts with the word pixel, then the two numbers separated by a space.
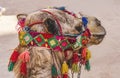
pixel 105 59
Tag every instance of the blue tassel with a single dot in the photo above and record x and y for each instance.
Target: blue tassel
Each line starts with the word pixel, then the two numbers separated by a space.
pixel 85 21
pixel 61 8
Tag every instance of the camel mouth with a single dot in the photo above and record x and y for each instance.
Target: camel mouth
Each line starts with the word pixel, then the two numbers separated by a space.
pixel 97 38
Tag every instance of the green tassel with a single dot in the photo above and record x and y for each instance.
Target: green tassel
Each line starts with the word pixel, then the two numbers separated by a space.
pixel 54 71
pixel 75 68
pixel 10 67
pixel 87 65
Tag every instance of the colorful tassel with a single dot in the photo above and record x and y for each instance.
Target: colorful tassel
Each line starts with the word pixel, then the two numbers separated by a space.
pixel 75 60
pixel 25 56
pixel 13 59
pixel 87 65
pixel 87 33
pixel 54 71
pixel 64 68
pixel 23 69
pixel 21 22
pixel 83 55
pixel 75 67
pixel 60 8
pixel 65 75
pixel 10 66
pixel 14 56
pixel 85 21
pixel 88 56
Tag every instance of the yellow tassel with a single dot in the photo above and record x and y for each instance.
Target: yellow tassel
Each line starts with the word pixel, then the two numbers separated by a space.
pixel 64 68
pixel 21 34
pixel 88 55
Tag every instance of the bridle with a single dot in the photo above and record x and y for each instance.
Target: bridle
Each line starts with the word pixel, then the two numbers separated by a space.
pixel 58 24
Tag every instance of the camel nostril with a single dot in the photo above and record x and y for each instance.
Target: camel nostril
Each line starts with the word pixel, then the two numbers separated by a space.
pixel 78 28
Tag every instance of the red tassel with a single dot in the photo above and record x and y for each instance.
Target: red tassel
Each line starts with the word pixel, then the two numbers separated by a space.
pixel 65 75
pixel 21 22
pixel 14 56
pixel 87 33
pixel 84 54
pixel 23 68
pixel 75 58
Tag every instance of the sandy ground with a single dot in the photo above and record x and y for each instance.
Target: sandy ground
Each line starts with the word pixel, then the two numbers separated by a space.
pixel 105 60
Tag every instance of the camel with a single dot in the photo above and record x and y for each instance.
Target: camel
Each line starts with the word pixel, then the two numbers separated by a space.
pixel 35 60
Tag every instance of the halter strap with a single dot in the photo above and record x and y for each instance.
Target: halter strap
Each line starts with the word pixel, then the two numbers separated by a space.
pixel 39 22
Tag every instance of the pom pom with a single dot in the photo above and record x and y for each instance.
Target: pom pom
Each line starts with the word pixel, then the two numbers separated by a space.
pixel 84 50
pixel 23 68
pixel 88 56
pixel 75 61
pixel 87 66
pixel 87 33
pixel 60 8
pixel 64 68
pixel 75 58
pixel 75 67
pixel 85 21
pixel 10 66
pixel 25 56
pixel 21 22
pixel 13 59
pixel 14 56
pixel 54 71
pixel 65 75
pixel 83 55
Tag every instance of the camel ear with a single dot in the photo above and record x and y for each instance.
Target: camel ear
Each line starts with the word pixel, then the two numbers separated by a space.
pixel 51 26
pixel 21 16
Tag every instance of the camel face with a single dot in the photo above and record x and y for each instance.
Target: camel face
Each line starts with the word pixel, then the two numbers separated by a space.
pixel 97 31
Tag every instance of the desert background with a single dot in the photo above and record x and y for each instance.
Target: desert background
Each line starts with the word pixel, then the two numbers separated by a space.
pixel 105 61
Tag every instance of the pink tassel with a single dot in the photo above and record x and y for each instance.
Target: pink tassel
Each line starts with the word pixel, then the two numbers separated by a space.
pixel 25 56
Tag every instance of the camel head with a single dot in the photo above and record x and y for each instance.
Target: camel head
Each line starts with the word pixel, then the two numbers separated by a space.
pixel 69 25
pixel 58 23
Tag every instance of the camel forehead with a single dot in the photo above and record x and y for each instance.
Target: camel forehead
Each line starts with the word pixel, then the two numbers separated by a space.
pixel 60 15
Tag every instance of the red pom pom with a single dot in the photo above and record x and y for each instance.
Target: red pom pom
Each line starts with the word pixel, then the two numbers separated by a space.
pixel 14 56
pixel 75 58
pixel 65 75
pixel 23 68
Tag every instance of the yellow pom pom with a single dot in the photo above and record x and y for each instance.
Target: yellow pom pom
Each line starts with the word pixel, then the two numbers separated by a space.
pixel 64 68
pixel 21 34
pixel 88 54
pixel 22 43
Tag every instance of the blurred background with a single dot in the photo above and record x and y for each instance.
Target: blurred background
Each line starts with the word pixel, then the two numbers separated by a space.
pixel 105 61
